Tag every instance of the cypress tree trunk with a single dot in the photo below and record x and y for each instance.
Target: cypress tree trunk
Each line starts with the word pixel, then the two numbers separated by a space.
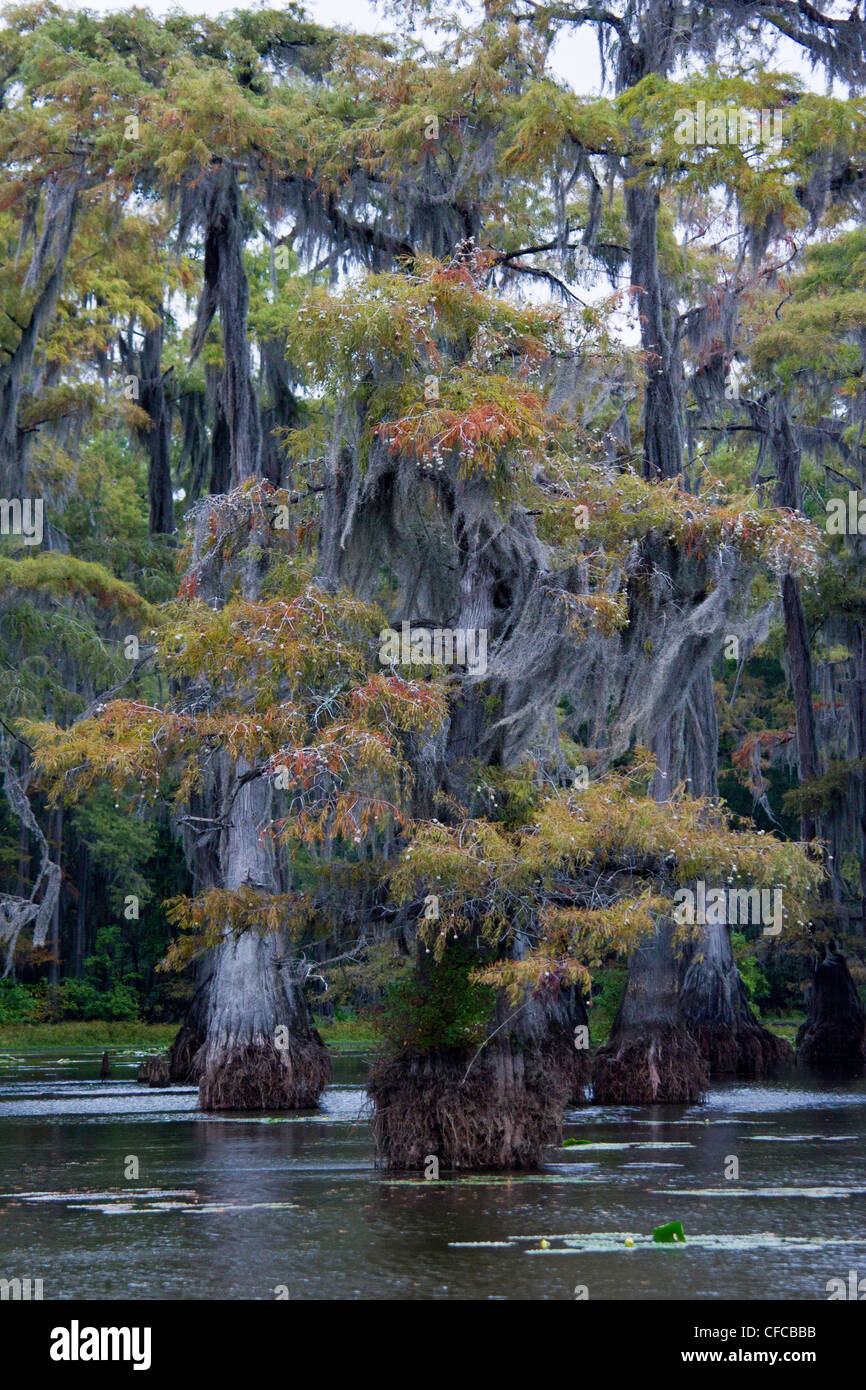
pixel 157 439
pixel 651 1057
pixel 81 909
pixel 281 414
pixel 247 1039
pixel 23 840
pixel 55 835
pixel 220 439
pixel 832 1035
pixel 261 1051
pixel 469 571
pixel 713 998
pixel 832 1038
pixel 225 288
pixel 716 1008
pixel 662 413
pixel 59 218
pixel 185 1054
pixel 494 1107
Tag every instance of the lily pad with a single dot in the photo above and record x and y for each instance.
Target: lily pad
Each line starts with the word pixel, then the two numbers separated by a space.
pixel 669 1234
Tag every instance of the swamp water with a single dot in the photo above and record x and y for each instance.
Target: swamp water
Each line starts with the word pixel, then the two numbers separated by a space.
pixel 236 1206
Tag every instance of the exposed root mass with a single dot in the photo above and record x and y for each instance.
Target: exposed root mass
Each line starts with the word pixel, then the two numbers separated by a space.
pixel 501 1114
pixel 259 1076
pixel 664 1067
pixel 745 1049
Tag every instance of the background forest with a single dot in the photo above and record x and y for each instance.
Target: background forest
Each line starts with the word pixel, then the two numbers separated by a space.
pixel 306 334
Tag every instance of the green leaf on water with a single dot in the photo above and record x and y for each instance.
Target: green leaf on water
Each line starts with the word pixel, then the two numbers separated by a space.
pixel 673 1231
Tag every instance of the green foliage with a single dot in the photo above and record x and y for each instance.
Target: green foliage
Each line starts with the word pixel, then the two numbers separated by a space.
pixel 80 1000
pixel 751 973
pixel 607 991
pixel 362 983
pixel 424 357
pixel 817 795
pixel 438 1009
pixel 18 1003
pixel 671 1234
pixel 72 1000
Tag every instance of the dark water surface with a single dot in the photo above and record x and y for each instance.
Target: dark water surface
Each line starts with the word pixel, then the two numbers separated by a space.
pixel 233 1207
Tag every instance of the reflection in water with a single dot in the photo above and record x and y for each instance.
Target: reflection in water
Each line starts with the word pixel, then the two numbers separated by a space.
pixel 231 1206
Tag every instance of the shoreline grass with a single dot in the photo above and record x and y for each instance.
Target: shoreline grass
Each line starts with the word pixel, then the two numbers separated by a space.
pixel 340 1035
pixel 95 1033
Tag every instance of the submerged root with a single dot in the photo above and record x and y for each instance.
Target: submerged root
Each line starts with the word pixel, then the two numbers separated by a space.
pixel 154 1071
pixel 499 1112
pixel 259 1076
pixel 664 1067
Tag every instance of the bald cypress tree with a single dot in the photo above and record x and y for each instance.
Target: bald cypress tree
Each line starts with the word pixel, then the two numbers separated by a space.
pixel 418 438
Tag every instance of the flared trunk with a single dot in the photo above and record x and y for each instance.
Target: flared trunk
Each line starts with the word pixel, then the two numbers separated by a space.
pixel 261 1051
pixel 716 1008
pixel 832 1038
pixel 248 1039
pixel 713 999
pixel 493 1107
pixel 651 1058
pixel 501 1115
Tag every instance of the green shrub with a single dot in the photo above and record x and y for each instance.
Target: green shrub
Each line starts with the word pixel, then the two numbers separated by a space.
pixel 441 1009
pixel 18 1003
pixel 751 973
pixel 80 1000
